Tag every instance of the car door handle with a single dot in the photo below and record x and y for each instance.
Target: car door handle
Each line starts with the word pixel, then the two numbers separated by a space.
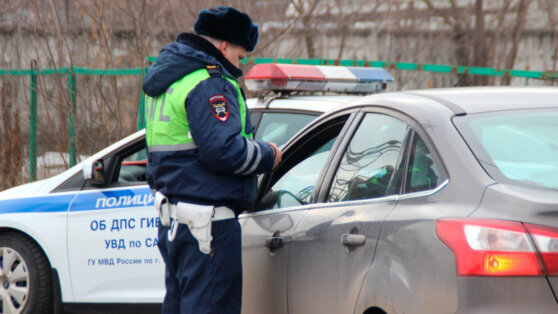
pixel 353 239
pixel 274 243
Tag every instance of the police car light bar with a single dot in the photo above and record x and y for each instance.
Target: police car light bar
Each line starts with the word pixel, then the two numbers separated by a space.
pixel 296 77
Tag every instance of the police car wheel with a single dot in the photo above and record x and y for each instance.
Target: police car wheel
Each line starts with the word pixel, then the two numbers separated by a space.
pixel 25 279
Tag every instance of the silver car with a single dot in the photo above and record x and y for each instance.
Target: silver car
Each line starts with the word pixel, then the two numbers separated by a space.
pixel 416 202
pixel 435 201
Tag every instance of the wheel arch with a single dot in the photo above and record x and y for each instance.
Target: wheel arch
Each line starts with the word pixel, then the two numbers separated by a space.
pixel 29 236
pixel 374 310
pixel 55 280
pixel 48 231
pixel 56 286
pixel 380 284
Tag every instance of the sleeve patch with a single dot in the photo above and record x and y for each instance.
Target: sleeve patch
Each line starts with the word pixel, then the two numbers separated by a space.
pixel 219 107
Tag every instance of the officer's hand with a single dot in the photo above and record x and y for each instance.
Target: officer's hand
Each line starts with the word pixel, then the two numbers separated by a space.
pixel 276 153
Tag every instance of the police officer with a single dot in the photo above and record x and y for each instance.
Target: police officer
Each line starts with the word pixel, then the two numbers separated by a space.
pixel 203 160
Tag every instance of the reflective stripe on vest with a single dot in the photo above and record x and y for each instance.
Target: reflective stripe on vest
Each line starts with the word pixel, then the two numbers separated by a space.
pixel 167 126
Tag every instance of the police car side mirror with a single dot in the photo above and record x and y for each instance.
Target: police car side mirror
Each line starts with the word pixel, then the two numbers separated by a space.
pixel 93 172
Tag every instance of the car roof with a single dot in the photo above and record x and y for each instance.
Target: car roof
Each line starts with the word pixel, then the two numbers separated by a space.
pixel 428 106
pixel 460 100
pixel 485 99
pixel 318 104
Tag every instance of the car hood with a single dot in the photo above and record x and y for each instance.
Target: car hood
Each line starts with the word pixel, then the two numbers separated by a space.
pixel 25 190
pixel 40 187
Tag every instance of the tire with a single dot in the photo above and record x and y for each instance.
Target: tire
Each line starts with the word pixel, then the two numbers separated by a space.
pixel 25 277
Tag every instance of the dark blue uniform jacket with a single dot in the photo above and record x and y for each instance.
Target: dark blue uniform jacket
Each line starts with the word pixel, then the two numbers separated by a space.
pixel 222 169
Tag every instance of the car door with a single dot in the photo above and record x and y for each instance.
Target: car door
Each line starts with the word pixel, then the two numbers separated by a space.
pixel 112 234
pixel 333 245
pixel 285 197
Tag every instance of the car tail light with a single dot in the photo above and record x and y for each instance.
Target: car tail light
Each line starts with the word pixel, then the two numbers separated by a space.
pixel 546 240
pixel 484 247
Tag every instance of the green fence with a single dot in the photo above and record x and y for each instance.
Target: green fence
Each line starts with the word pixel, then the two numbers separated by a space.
pixel 71 72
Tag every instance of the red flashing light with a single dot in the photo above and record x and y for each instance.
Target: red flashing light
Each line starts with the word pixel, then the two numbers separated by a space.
pixel 285 71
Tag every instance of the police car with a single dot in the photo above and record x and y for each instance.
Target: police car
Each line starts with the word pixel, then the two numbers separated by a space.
pixel 88 235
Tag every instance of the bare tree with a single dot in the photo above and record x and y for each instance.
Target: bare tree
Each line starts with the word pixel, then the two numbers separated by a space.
pixel 522 9
pixel 549 6
pixel 305 11
pixel 11 152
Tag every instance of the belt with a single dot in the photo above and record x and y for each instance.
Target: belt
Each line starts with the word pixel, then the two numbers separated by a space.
pixel 219 213
pixel 222 213
pixel 198 218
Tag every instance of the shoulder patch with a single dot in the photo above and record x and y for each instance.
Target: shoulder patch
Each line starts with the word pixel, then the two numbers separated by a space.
pixel 219 107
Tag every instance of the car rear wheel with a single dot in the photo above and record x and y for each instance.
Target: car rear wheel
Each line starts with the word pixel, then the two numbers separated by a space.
pixel 25 279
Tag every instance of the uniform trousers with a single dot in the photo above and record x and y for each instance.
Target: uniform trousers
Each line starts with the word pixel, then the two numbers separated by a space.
pixel 203 283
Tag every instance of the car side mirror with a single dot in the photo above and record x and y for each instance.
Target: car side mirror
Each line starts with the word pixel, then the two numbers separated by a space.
pixel 94 173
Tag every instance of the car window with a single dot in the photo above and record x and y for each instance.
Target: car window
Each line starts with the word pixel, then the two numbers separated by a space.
pixel 295 179
pixel 423 173
pixel 275 127
pixel 132 167
pixel 516 146
pixel 297 185
pixel 370 159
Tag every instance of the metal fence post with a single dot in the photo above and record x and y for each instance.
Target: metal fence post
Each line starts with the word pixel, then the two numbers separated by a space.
pixel 141 110
pixel 72 88
pixel 33 122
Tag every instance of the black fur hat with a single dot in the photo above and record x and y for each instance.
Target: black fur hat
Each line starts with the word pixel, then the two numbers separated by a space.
pixel 227 23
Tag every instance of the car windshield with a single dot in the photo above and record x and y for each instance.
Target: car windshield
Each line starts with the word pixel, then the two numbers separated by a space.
pixel 520 145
